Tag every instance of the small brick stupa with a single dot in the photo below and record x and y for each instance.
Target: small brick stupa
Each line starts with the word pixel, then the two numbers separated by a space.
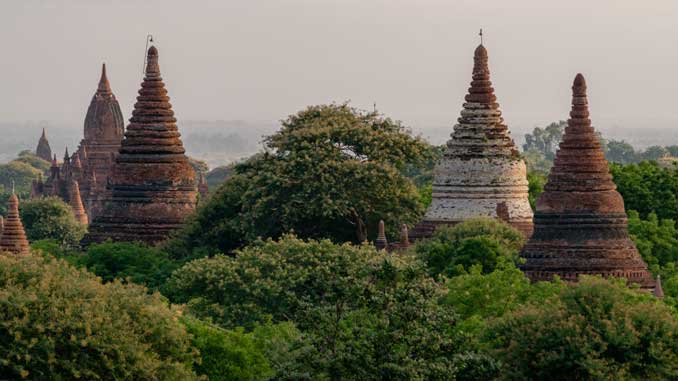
pixel 44 151
pixel 76 204
pixel 481 173
pixel 580 225
pixel 13 238
pixel 152 187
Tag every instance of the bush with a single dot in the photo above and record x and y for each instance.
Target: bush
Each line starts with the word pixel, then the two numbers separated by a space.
pixel 51 218
pixel 61 323
pixel 140 264
pixel 596 329
pixel 483 241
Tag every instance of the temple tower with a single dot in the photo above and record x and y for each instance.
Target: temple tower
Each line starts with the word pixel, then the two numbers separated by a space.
pixel 481 173
pixel 580 224
pixel 43 150
pixel 13 238
pixel 152 187
pixel 103 132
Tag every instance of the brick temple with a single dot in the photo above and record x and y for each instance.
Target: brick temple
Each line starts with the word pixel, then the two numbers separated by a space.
pixel 13 239
pixel 580 224
pixel 90 165
pixel 152 187
pixel 44 151
pixel 481 173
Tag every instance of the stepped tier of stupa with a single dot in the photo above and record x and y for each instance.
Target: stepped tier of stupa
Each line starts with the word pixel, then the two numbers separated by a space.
pixel 481 173
pixel 152 187
pixel 13 239
pixel 580 225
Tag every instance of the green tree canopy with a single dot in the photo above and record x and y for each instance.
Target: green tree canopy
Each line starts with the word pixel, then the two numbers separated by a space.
pixel 19 174
pixel 51 218
pixel 648 188
pixel 595 330
pixel 60 323
pixel 484 242
pixel 330 172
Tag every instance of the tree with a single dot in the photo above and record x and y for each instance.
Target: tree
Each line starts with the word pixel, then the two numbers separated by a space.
pixel 654 153
pixel 148 266
pixel 365 314
pixel 621 152
pixel 18 174
pixel 199 166
pixel 536 181
pixel 596 329
pixel 484 242
pixel 330 172
pixel 61 323
pixel 51 218
pixel 545 140
pixel 31 159
pixel 218 175
pixel 648 188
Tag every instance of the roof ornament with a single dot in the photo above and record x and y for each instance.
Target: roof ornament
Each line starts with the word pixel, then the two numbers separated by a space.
pixel 481 36
pixel 149 38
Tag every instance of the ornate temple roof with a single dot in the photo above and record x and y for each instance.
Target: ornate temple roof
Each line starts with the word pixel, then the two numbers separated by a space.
pixel 580 225
pixel 76 203
pixel 44 151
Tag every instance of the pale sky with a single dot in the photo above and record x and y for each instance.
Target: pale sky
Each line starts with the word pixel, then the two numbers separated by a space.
pixel 262 60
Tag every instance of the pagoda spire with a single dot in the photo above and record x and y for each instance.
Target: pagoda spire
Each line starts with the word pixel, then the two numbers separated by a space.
pixel 104 87
pixel 381 242
pixel 580 225
pixel 152 187
pixel 13 238
pixel 658 291
pixel 76 203
pixel 44 151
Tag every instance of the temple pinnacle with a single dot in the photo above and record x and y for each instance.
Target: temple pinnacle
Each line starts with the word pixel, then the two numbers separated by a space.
pixel 104 86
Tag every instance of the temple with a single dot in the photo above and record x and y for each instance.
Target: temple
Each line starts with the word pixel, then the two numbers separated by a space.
pixel 152 187
pixel 44 151
pixel 76 204
pixel 90 165
pixel 580 224
pixel 481 173
pixel 13 238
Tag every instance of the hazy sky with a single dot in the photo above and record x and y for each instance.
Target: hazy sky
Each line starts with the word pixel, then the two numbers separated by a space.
pixel 262 60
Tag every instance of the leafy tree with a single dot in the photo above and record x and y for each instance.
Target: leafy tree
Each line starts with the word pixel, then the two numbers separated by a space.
pixel 621 152
pixel 20 174
pixel 545 140
pixel 536 162
pixel 31 159
pixel 227 355
pixel 365 314
pixel 330 172
pixel 597 329
pixel 61 323
pixel 484 242
pixel 219 175
pixel 140 264
pixel 51 218
pixel 536 181
pixel 654 153
pixel 648 188
pixel 673 150
pixel 199 166
pixel 656 240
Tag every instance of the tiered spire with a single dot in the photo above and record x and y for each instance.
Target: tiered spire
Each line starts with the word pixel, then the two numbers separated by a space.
pixel 104 87
pixel 580 225
pixel 152 186
pixel 13 235
pixel 481 173
pixel 381 243
pixel 44 151
pixel 76 204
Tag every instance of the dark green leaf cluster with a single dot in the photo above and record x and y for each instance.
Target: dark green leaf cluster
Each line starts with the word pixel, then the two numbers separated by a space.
pixel 51 218
pixel 648 188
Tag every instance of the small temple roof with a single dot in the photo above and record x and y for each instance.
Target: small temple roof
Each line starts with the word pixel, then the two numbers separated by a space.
pixel 658 291
pixel 13 238
pixel 76 204
pixel 381 242
pixel 43 151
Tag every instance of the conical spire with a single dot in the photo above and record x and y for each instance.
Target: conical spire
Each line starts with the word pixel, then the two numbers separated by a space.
pixel 13 236
pixel 104 87
pixel 43 151
pixel 152 188
pixel 658 291
pixel 580 225
pixel 76 161
pixel 381 243
pixel 481 173
pixel 76 203
pixel 404 236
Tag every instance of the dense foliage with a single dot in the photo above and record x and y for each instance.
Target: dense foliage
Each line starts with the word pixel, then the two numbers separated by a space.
pixel 330 172
pixel 50 218
pixel 598 329
pixel 60 323
pixel 482 242
pixel 648 188
pixel 137 263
